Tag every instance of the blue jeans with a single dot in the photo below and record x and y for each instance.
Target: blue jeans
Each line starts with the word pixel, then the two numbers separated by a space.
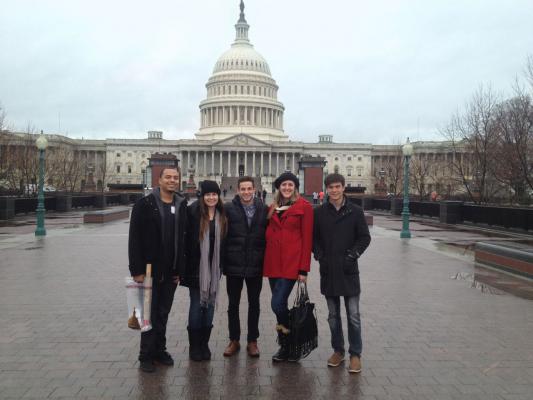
pixel 281 290
pixel 354 324
pixel 199 317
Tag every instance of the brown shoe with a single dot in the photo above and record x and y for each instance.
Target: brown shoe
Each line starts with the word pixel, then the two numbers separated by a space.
pixel 232 348
pixel 335 359
pixel 252 349
pixel 355 365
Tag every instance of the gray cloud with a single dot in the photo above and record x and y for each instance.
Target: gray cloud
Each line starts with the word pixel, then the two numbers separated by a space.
pixel 363 71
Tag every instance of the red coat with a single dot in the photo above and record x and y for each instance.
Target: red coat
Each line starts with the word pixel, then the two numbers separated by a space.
pixel 289 241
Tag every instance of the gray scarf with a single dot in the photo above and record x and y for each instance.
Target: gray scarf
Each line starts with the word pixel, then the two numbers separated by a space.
pixel 210 275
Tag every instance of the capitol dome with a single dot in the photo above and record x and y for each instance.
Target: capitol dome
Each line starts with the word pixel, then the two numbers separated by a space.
pixel 241 94
pixel 242 57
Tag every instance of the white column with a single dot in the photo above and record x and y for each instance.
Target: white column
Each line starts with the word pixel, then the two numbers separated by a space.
pixel 253 116
pixel 277 164
pixel 293 164
pixel 253 164
pixel 196 166
pixel 229 163
pixel 246 163
pixel 237 164
pixel 270 162
pixel 205 164
pixel 284 161
pixel 212 163
pixel 262 166
pixel 220 162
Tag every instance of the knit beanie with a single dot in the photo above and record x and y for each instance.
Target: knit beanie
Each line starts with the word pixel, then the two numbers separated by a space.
pixel 209 187
pixel 287 176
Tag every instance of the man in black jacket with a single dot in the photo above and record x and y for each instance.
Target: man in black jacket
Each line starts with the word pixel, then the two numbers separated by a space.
pixel 340 237
pixel 243 261
pixel 157 231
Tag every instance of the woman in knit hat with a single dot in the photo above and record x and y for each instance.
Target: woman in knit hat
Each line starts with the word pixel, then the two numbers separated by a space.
pixel 289 239
pixel 206 228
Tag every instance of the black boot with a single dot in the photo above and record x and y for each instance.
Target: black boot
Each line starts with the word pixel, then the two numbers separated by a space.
pixel 283 340
pixel 204 345
pixel 195 350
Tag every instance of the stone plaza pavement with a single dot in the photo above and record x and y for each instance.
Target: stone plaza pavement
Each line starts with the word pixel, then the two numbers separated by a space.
pixel 431 330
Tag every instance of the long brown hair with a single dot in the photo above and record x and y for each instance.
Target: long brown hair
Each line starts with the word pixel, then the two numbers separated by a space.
pixel 278 198
pixel 204 217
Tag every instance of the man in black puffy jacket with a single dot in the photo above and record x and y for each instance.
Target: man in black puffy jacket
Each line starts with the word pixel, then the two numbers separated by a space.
pixel 243 261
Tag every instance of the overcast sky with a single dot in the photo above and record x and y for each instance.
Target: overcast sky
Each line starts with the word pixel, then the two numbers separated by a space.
pixel 365 71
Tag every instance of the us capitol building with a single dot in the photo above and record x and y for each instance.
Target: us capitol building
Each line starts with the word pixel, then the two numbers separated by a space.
pixel 241 133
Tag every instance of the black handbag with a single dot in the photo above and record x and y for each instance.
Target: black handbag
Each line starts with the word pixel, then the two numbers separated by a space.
pixel 303 336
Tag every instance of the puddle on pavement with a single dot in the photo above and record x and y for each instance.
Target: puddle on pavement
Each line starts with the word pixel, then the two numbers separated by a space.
pixel 476 284
pixel 33 248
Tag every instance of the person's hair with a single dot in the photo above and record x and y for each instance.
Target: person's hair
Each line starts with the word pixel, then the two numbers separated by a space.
pixel 334 178
pixel 278 200
pixel 204 217
pixel 168 167
pixel 245 179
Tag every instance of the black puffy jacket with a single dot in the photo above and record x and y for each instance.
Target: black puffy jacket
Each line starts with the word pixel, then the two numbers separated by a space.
pixel 244 247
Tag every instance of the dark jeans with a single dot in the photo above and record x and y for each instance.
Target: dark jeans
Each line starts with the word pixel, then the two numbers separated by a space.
pixel 234 287
pixel 199 317
pixel 281 290
pixel 354 324
pixel 154 341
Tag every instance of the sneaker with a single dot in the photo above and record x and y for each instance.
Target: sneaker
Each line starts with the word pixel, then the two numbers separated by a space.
pixel 233 347
pixel 335 359
pixel 252 349
pixel 164 358
pixel 147 366
pixel 355 365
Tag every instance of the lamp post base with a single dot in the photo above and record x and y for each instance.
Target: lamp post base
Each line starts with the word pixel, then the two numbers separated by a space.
pixel 405 234
pixel 40 232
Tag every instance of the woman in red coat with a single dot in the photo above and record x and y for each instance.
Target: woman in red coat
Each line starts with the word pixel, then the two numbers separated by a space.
pixel 289 239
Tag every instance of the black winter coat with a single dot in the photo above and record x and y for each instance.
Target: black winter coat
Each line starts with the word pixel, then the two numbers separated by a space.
pixel 244 247
pixel 339 238
pixel 145 243
pixel 191 276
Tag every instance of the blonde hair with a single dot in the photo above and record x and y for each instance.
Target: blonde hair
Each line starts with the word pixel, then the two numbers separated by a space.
pixel 278 201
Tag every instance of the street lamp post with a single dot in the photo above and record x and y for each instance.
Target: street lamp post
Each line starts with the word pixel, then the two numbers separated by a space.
pixel 41 144
pixel 407 150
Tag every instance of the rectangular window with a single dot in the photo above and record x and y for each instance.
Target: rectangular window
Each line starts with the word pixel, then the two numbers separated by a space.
pixel 118 169
pixel 129 169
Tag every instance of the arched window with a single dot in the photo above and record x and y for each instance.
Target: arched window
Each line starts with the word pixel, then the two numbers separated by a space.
pixel 336 169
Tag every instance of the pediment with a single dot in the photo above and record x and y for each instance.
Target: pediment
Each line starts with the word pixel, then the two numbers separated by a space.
pixel 241 140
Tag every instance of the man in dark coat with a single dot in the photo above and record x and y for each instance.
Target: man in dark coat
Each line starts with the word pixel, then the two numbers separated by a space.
pixel 243 261
pixel 340 237
pixel 157 232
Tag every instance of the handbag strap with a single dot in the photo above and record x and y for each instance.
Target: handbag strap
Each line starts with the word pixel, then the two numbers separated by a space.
pixel 302 295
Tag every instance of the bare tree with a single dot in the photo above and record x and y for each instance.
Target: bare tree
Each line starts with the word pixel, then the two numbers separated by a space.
pixel 64 167
pixel 419 174
pixel 515 124
pixel 393 166
pixel 475 132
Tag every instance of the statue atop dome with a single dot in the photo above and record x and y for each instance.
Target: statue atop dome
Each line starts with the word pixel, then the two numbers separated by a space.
pixel 242 18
